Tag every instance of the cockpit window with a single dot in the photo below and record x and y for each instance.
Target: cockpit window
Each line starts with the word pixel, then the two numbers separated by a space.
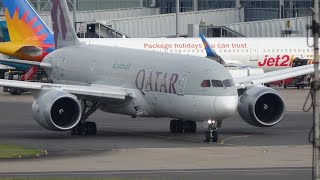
pixel 217 83
pixel 206 83
pixel 227 83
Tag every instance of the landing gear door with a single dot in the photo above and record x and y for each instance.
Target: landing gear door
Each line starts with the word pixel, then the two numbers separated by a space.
pixel 254 54
pixel 91 72
pixel 181 83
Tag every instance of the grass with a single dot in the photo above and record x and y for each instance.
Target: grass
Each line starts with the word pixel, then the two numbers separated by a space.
pixel 15 152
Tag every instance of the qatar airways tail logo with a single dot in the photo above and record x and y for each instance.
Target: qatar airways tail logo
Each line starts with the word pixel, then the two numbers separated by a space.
pixel 279 60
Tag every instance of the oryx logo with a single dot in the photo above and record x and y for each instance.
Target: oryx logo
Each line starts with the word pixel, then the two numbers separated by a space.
pixel 58 25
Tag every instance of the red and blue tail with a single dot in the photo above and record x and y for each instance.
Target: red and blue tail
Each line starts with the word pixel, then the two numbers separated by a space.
pixel 30 38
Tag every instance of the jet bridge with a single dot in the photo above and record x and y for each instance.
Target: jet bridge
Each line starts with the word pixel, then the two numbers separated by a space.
pixel 211 31
pixel 97 30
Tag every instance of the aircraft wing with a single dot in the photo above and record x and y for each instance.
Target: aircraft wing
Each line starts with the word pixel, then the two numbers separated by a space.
pixel 241 83
pixel 110 92
pixel 27 62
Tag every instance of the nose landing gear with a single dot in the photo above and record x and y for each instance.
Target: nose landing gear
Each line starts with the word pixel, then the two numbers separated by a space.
pixel 212 134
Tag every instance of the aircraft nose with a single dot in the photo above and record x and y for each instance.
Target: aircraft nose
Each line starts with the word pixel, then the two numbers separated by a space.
pixel 226 106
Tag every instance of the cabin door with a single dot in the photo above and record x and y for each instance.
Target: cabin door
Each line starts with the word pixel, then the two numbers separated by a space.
pixel 91 72
pixel 254 54
pixel 182 83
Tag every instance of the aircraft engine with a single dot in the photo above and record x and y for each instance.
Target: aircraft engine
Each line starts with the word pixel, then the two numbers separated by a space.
pixel 261 107
pixel 57 110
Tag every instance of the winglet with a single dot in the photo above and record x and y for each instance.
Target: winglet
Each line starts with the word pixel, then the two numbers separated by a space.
pixel 211 54
pixel 64 32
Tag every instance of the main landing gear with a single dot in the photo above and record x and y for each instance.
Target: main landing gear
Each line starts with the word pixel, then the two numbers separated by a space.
pixel 85 127
pixel 212 134
pixel 180 126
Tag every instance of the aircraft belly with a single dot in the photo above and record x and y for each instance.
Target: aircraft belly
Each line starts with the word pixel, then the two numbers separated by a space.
pixel 186 107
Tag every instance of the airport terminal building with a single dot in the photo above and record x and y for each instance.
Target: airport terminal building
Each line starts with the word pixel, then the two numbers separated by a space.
pixel 255 10
pixel 156 18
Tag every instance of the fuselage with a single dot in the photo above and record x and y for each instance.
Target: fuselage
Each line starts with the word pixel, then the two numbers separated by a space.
pixel 267 53
pixel 163 85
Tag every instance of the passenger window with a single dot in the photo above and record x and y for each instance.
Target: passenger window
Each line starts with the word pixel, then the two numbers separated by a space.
pixel 217 83
pixel 227 83
pixel 205 83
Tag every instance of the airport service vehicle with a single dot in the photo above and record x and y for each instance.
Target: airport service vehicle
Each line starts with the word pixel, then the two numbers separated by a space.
pixel 266 53
pixel 139 83
pixel 18 76
pixel 13 75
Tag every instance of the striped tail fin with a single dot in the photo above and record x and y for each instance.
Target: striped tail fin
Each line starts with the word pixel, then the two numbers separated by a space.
pixel 64 32
pixel 30 38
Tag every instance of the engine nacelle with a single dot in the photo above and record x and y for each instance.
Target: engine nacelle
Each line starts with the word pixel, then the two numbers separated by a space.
pixel 261 106
pixel 57 110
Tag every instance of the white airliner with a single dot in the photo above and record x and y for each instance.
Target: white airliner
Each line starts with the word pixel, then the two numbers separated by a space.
pixel 267 53
pixel 145 84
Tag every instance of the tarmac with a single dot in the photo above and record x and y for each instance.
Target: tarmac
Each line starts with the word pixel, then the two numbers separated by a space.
pixel 144 148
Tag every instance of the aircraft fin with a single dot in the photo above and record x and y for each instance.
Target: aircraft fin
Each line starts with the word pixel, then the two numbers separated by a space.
pixel 211 54
pixel 64 32
pixel 25 28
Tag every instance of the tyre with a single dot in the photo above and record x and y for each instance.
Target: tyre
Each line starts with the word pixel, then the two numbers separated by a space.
pixel 91 128
pixel 215 136
pixel 179 126
pixel 193 126
pixel 173 126
pixel 207 137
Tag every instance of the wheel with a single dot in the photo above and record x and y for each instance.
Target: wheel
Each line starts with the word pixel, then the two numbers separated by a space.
pixel 284 86
pixel 298 87
pixel 193 126
pixel 187 126
pixel 173 126
pixel 87 128
pixel 207 136
pixel 18 92
pixel 179 127
pixel 215 136
pixel 91 128
pixel 77 130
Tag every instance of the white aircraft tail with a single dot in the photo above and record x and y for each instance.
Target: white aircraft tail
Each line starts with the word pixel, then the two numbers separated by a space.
pixel 64 33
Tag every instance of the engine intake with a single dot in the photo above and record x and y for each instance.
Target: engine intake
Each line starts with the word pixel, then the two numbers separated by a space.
pixel 57 110
pixel 261 107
